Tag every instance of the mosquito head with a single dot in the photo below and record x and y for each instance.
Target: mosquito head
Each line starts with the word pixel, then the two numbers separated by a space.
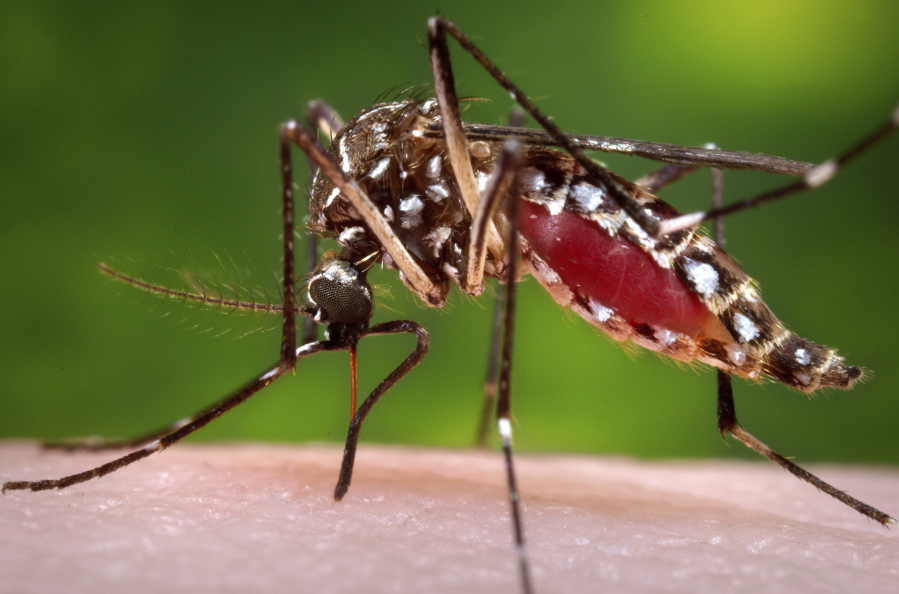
pixel 339 295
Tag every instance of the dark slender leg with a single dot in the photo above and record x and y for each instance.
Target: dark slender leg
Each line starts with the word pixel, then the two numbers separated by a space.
pixel 664 176
pixel 289 333
pixel 601 177
pixel 515 119
pixel 192 424
pixel 184 428
pixel 717 201
pixel 288 354
pixel 511 160
pixel 814 178
pixel 491 377
pixel 727 424
pixel 95 444
pixel 500 189
pixel 324 120
pixel 484 237
pixel 439 27
pixel 508 167
pixel 727 413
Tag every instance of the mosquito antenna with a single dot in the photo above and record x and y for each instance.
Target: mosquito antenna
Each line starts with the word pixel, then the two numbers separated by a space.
pixel 162 290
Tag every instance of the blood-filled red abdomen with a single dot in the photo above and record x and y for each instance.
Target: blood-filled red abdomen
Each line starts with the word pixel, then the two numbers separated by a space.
pixel 612 271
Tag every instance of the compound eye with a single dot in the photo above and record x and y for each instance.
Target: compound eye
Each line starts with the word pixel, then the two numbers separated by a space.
pixel 339 293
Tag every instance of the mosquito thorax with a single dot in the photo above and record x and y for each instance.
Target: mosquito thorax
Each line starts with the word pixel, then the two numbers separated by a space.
pixel 338 293
pixel 407 175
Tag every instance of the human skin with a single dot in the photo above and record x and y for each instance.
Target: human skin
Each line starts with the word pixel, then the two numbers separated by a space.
pixel 238 518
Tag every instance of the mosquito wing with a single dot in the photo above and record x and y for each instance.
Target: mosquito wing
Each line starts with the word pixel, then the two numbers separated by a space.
pixel 705 156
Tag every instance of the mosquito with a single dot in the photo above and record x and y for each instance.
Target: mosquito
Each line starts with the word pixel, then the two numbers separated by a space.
pixel 409 185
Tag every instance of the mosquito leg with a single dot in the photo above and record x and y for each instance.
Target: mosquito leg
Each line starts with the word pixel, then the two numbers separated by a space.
pixel 667 175
pixel 445 90
pixel 664 176
pixel 717 201
pixel 287 359
pixel 310 327
pixel 491 378
pixel 727 414
pixel 457 146
pixel 438 27
pixel 323 119
pixel 184 428
pixel 727 424
pixel 414 358
pixel 289 330
pixel 91 444
pixel 503 403
pixel 97 444
pixel 516 118
pixel 500 186
pixel 816 177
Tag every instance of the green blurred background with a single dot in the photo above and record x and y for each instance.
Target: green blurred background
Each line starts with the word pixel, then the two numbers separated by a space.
pixel 149 131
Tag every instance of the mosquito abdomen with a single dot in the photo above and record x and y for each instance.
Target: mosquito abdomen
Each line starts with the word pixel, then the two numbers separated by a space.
pixel 608 270
pixel 679 295
pixel 807 366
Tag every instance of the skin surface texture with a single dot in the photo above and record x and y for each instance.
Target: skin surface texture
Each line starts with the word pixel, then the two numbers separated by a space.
pixel 237 518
